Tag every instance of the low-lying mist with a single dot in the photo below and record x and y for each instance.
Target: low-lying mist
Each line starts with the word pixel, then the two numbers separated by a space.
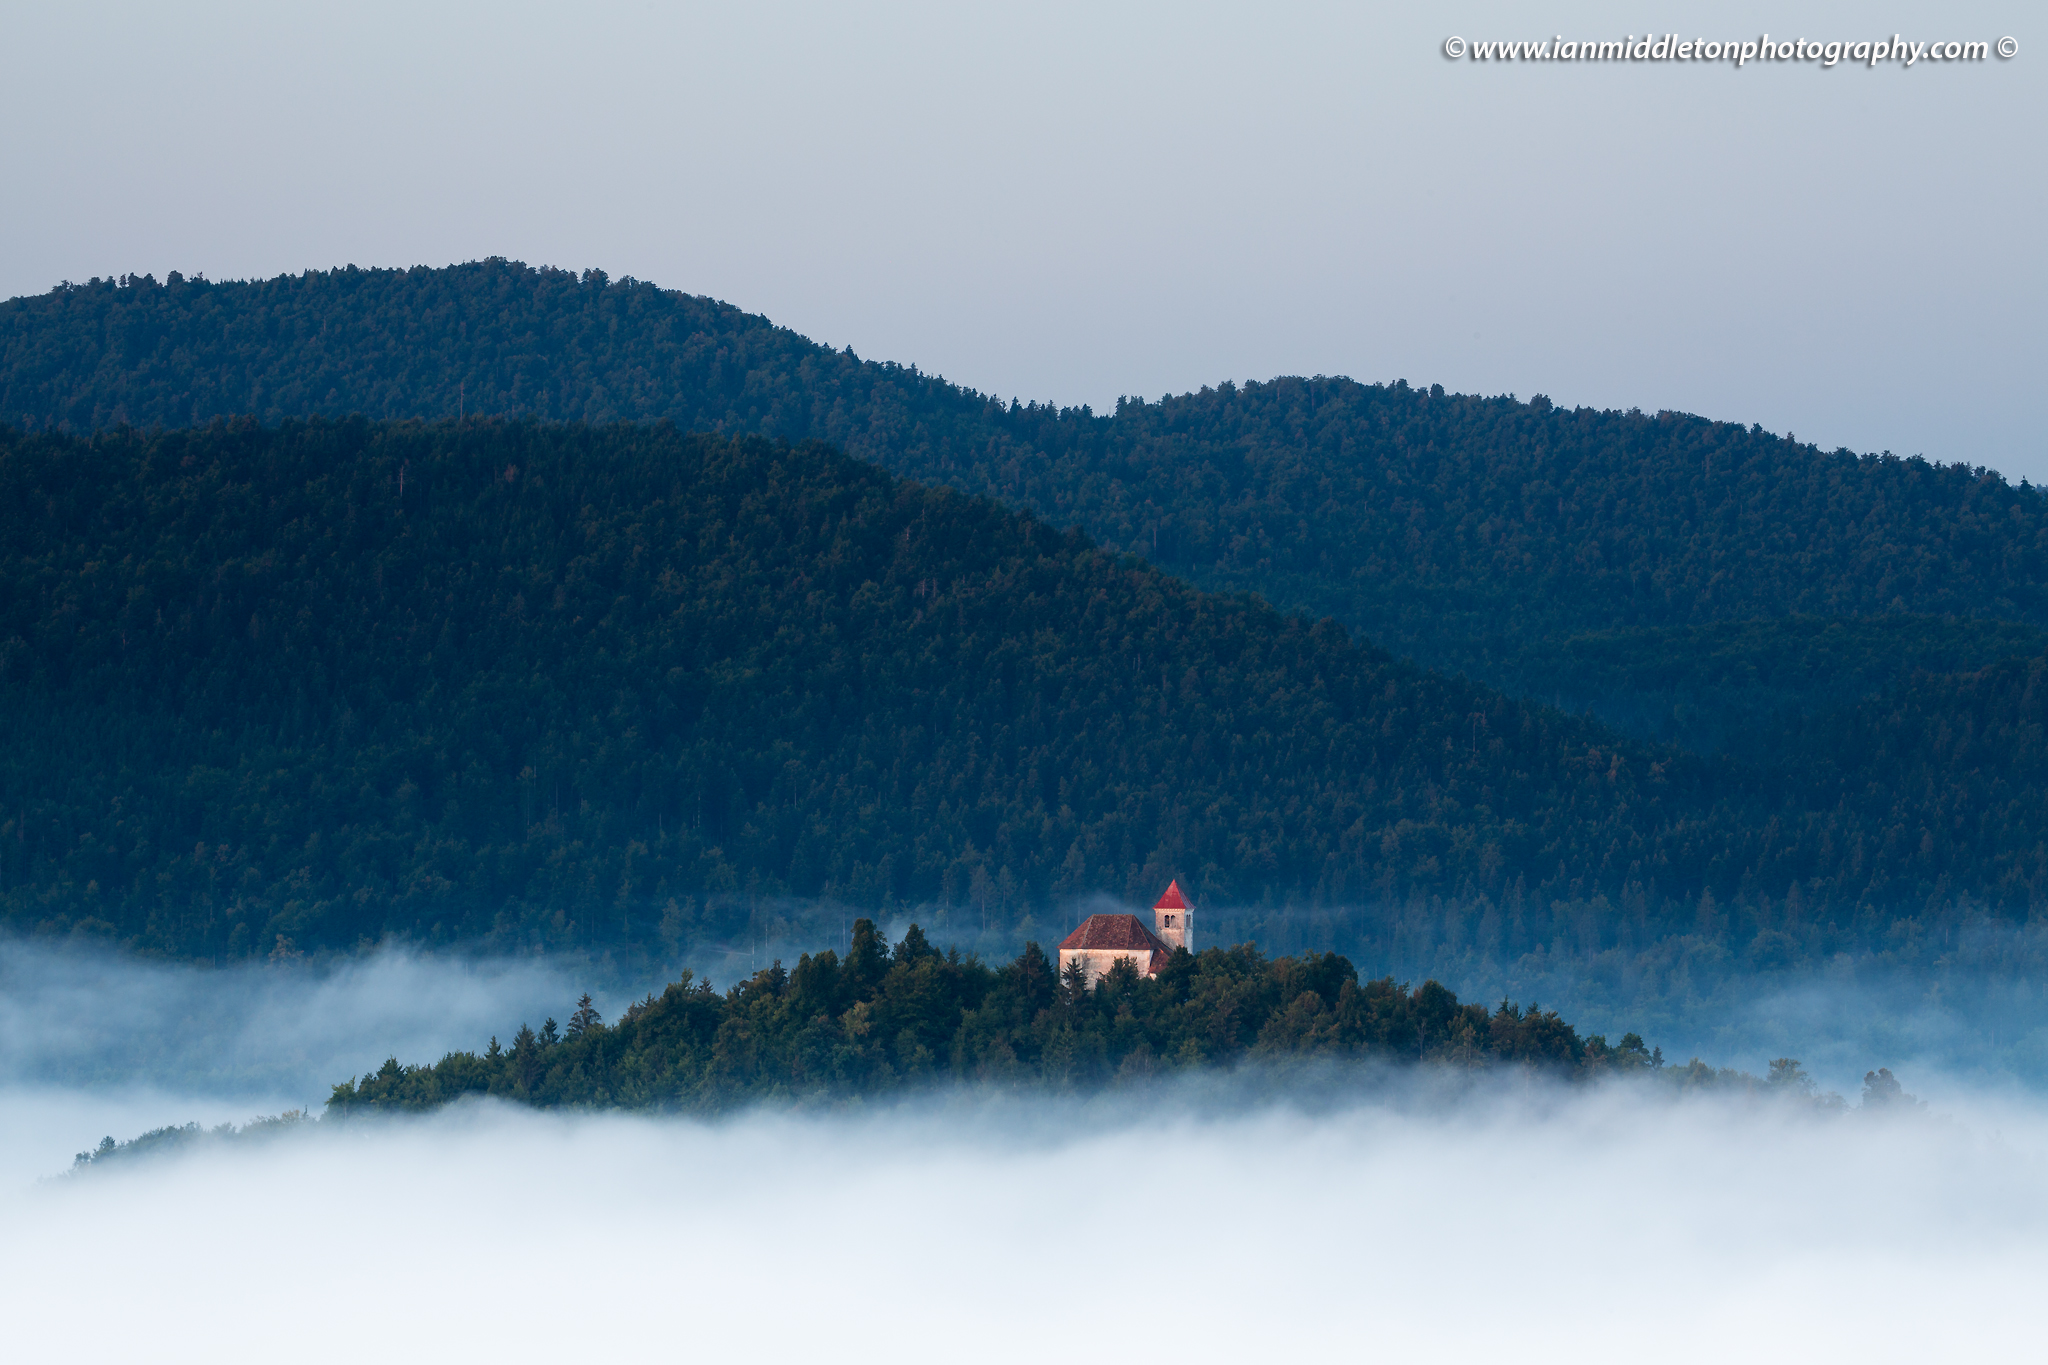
pixel 94 1043
pixel 1398 1214
pixel 1256 1215
pixel 83 1016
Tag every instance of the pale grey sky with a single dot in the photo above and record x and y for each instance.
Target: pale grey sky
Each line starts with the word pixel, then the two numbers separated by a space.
pixel 1071 202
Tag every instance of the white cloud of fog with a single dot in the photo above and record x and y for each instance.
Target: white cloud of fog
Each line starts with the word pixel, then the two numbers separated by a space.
pixel 1510 1223
pixel 95 1043
pixel 1838 1021
pixel 1994 1035
pixel 1190 1223
pixel 87 1016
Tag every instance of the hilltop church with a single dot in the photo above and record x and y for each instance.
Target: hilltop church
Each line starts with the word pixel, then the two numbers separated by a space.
pixel 1102 939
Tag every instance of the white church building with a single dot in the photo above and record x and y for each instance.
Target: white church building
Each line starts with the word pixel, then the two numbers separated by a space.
pixel 1102 939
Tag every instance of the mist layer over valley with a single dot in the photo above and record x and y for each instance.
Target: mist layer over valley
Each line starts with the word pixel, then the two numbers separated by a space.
pixel 1329 1203
pixel 96 1043
pixel 1190 1220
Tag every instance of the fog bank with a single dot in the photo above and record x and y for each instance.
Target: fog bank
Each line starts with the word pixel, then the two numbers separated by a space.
pixel 1512 1221
pixel 95 1043
pixel 89 1017
pixel 1353 1209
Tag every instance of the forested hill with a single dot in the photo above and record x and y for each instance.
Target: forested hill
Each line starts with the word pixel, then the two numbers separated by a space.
pixel 563 686
pixel 559 686
pixel 1475 533
pixel 877 1021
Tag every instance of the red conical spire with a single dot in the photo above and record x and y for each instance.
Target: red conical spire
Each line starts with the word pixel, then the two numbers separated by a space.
pixel 1172 900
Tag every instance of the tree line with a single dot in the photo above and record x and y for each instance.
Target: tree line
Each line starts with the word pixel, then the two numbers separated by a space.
pixel 883 1019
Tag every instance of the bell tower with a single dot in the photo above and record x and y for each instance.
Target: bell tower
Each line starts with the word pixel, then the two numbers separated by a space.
pixel 1173 919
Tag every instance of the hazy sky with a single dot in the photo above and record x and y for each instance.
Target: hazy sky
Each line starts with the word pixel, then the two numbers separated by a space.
pixel 1073 202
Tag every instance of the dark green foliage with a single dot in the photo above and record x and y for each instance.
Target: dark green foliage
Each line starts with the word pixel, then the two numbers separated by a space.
pixel 546 685
pixel 1474 533
pixel 1751 687
pixel 1953 767
pixel 272 689
pixel 880 1021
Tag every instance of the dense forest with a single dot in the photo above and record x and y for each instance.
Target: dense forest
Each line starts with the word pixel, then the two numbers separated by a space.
pixel 539 686
pixel 1479 534
pixel 1753 687
pixel 881 1020
pixel 562 686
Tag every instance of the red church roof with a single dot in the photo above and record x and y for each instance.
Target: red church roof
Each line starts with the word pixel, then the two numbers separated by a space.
pixel 1172 899
pixel 1118 933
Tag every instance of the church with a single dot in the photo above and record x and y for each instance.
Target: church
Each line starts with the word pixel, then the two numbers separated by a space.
pixel 1102 939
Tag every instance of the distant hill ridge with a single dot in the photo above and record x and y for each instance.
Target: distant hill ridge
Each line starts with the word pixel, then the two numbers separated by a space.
pixel 1473 533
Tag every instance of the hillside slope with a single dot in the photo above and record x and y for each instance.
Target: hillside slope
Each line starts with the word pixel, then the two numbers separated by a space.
pixel 562 685
pixel 1754 688
pixel 551 686
pixel 1473 533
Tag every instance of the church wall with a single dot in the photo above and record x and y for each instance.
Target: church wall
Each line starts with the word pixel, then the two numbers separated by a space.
pixel 1096 962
